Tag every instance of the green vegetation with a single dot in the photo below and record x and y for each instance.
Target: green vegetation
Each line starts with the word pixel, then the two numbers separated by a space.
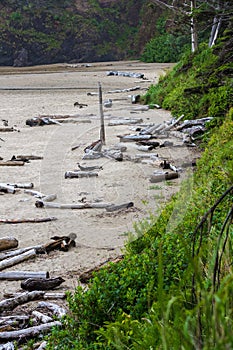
pixel 173 289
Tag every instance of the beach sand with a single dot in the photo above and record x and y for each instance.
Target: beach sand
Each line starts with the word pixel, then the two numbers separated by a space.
pixel 53 90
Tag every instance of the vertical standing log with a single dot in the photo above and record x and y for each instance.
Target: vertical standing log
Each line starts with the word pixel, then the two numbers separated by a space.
pixel 102 128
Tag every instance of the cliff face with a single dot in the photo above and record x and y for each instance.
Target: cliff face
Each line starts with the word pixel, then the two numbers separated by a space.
pixel 51 31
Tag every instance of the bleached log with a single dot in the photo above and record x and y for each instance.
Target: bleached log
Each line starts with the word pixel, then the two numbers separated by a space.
pixel 145 148
pixel 25 185
pixel 92 155
pixel 12 303
pixel 124 122
pixel 133 138
pixel 31 284
pixel 49 197
pixel 15 252
pixel 119 207
pixel 42 346
pixel 195 122
pixel 35 193
pixel 8 243
pixel 172 125
pixel 47 296
pixel 29 332
pixel 7 188
pixel 149 130
pixel 164 177
pixel 41 204
pixel 7 346
pixel 17 259
pixel 41 317
pixel 13 319
pixel 56 309
pixel 80 174
pixel 21 221
pixel 22 275
pixel 141 108
pixel 113 154
pixel 11 163
pixel 89 168
pixel 124 90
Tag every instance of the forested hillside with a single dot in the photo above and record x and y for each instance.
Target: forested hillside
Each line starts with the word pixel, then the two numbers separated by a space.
pixel 42 32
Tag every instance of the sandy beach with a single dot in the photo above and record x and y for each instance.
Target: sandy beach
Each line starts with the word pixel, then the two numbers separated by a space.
pixel 53 90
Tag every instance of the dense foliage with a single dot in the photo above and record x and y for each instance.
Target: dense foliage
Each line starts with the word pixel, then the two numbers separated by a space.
pixel 173 289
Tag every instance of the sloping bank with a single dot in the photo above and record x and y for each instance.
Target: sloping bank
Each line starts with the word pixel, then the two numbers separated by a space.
pixel 173 289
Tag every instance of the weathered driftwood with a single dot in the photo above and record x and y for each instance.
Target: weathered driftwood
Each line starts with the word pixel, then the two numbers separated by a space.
pixel 167 165
pixel 8 243
pixel 42 346
pixel 63 243
pixel 120 206
pixel 29 157
pixel 140 109
pixel 17 259
pixel 25 185
pixel 29 332
pixel 150 130
pixel 164 177
pixel 80 174
pixel 89 168
pixel 47 296
pixel 21 221
pixel 189 164
pixel 100 205
pixel 22 275
pixel 7 188
pixel 93 155
pixel 149 143
pixel 145 148
pixel 11 163
pixel 6 129
pixel 56 309
pixel 95 146
pixel 133 138
pixel 113 154
pixel 41 317
pixel 195 122
pixel 12 303
pixel 49 197
pixel 194 130
pixel 173 124
pixel 7 346
pixel 134 88
pixel 87 275
pixel 31 284
pixel 40 121
pixel 15 252
pixel 13 319
pixel 126 74
pixel 125 121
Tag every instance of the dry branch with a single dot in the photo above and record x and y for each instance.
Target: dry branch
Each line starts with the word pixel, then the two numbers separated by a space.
pixel 80 174
pixel 41 204
pixel 121 206
pixel 41 317
pixel 11 163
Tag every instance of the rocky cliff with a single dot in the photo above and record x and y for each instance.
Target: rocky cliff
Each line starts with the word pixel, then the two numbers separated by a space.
pixel 42 32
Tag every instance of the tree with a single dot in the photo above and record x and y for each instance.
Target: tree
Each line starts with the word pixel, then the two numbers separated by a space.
pixel 199 13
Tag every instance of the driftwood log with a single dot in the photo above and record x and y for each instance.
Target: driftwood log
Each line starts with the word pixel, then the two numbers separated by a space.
pixel 29 332
pixel 31 284
pixel 80 174
pixel 22 275
pixel 41 204
pixel 164 177
pixel 7 346
pixel 12 303
pixel 8 243
pixel 47 296
pixel 11 163
pixel 41 317
pixel 21 221
pixel 7 188
pixel 17 259
pixel 57 310
pixel 11 253
pixel 89 168
pixel 87 275
pixel 120 207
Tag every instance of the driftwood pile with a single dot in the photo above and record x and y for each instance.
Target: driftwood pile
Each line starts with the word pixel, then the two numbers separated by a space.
pixel 19 320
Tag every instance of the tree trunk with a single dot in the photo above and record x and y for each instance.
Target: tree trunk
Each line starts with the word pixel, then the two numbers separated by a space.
pixel 17 259
pixel 22 275
pixel 194 39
